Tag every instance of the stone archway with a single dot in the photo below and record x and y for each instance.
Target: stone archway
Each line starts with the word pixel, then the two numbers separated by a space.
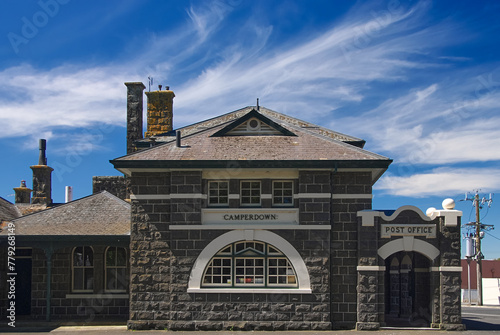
pixel 408 288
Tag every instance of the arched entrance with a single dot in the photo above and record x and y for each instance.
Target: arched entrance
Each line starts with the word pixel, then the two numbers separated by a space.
pixel 408 287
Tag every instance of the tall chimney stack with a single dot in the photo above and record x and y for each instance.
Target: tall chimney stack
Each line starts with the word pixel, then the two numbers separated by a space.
pixel 134 114
pixel 23 194
pixel 160 108
pixel 42 178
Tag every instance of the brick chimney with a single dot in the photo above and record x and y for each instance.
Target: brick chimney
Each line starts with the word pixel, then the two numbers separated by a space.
pixel 160 104
pixel 42 178
pixel 134 114
pixel 23 194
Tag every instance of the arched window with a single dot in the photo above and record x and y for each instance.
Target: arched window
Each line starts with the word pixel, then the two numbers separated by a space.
pixel 249 264
pixel 116 269
pixel 83 269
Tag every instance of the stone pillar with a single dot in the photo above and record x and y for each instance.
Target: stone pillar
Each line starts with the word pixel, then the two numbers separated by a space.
pixel 134 114
pixel 450 277
pixel 160 108
pixel 23 194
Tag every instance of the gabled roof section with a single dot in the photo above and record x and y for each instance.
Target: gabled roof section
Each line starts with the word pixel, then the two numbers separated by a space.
pixel 311 147
pixel 253 124
pixel 100 214
pixel 8 211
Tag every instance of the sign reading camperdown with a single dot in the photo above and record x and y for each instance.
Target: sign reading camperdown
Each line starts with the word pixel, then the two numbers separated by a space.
pixel 249 216
pixel 427 230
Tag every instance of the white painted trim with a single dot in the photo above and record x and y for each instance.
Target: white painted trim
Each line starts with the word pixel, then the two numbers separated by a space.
pixel 187 196
pixel 97 296
pixel 241 173
pixel 352 196
pixel 266 196
pixel 312 195
pixel 450 216
pixel 233 196
pixel 252 290
pixel 446 269
pixel 408 244
pixel 150 196
pixel 249 226
pixel 370 268
pixel 239 235
pixel 368 216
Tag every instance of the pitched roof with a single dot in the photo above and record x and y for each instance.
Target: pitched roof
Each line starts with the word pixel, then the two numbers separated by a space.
pixel 98 214
pixel 8 211
pixel 312 145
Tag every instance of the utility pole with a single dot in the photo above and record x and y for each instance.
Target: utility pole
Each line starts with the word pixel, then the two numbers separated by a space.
pixel 479 255
pixel 479 233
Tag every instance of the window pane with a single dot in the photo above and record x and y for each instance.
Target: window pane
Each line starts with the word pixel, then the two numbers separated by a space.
pixel 78 279
pixel 121 257
pixel 88 279
pixel 121 279
pixel 111 279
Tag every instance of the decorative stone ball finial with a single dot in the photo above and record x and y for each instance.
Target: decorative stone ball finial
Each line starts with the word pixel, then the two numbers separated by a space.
pixel 448 204
pixel 430 211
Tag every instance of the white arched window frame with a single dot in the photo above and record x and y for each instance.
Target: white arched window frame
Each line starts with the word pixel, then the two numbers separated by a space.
pixel 82 269
pixel 195 279
pixel 116 275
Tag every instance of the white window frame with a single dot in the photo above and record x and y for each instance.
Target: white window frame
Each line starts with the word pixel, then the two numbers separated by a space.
pixel 218 193
pixel 196 276
pixel 245 204
pixel 84 267
pixel 115 267
pixel 283 196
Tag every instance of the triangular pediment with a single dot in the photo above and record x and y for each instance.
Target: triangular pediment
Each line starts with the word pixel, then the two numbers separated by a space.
pixel 253 124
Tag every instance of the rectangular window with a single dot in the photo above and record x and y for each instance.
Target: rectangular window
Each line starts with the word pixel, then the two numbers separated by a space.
pixel 250 193
pixel 218 192
pixel 283 193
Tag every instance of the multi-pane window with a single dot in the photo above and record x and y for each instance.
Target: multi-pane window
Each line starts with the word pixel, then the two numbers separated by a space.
pixel 249 264
pixel 116 269
pixel 283 193
pixel 250 192
pixel 83 269
pixel 218 193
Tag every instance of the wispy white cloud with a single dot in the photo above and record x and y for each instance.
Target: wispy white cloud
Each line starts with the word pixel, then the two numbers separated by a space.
pixel 440 182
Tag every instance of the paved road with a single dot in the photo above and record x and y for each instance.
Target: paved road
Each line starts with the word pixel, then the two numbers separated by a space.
pixel 481 318
pixel 479 321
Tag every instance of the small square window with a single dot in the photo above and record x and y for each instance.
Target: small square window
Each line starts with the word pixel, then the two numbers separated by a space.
pixel 218 193
pixel 250 193
pixel 283 193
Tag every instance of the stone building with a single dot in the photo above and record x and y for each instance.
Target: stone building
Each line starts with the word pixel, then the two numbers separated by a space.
pixel 256 220
pixel 252 220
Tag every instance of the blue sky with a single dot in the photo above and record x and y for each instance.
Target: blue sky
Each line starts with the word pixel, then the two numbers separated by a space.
pixel 418 80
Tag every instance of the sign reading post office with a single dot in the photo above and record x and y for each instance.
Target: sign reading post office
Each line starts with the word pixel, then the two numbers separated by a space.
pixel 389 230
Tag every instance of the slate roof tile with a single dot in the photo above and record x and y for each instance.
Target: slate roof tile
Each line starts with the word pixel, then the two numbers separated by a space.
pixel 98 214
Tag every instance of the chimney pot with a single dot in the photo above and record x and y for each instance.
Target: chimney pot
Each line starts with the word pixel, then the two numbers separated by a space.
pixel 178 138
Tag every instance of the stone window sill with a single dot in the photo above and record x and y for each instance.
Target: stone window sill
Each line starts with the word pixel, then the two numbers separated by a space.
pixel 250 290
pixel 97 296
